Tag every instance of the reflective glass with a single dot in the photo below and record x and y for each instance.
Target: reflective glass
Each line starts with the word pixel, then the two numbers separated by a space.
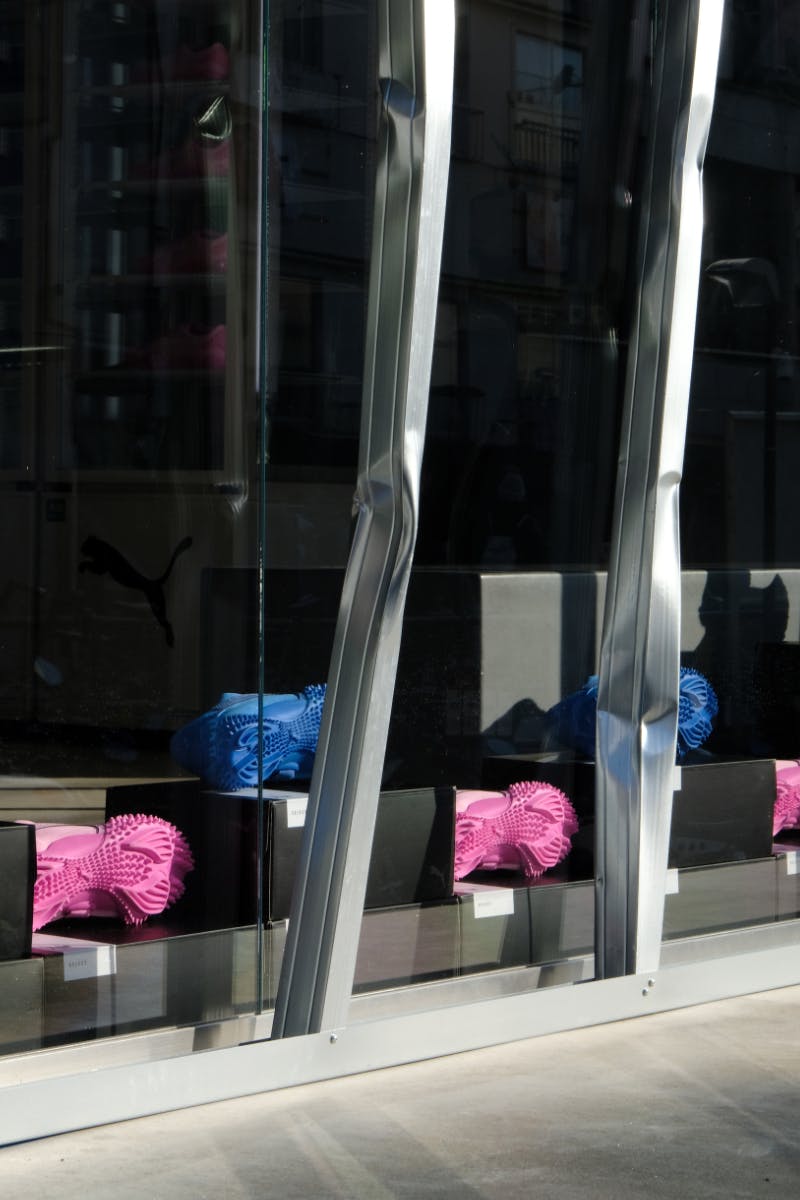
pixel 323 115
pixel 131 440
pixel 490 761
pixel 736 818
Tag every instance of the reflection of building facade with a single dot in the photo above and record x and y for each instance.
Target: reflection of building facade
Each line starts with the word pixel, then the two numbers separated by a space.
pixel 212 237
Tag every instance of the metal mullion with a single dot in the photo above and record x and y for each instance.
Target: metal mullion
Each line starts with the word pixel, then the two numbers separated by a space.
pixel 416 51
pixel 637 701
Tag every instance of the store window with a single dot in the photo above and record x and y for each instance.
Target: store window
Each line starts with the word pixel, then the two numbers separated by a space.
pixel 736 817
pixel 186 241
pixel 185 218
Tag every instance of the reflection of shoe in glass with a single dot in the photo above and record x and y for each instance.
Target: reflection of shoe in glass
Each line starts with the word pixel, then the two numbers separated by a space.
pixel 131 867
pixel 528 828
pixel 198 254
pixel 787 795
pixel 196 65
pixel 222 746
pixel 205 152
pixel 185 349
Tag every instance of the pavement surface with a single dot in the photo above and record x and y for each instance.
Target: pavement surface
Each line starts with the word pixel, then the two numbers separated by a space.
pixel 701 1102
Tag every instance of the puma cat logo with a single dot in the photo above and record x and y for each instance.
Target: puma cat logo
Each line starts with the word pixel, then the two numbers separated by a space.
pixel 103 559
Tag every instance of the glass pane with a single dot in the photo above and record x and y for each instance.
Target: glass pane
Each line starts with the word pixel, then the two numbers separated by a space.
pixel 491 747
pixel 131 427
pixel 741 576
pixel 323 111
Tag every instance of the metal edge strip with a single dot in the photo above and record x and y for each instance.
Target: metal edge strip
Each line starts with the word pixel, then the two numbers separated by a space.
pixel 416 55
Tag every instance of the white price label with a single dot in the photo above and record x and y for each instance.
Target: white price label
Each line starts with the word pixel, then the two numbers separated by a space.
pixel 497 903
pixel 90 963
pixel 673 886
pixel 296 812
pixel 791 862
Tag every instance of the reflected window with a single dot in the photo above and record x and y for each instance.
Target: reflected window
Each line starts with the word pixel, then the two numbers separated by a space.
pixel 547 75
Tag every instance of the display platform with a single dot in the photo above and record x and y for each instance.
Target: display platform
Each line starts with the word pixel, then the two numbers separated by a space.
pixel 714 898
pixel 411 861
pixel 95 978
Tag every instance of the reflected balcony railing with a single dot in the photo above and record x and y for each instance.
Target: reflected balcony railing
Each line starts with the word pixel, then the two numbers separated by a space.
pixel 549 148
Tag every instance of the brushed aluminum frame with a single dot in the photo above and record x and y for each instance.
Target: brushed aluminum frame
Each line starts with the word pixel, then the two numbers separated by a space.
pixel 153 1046
pixel 416 61
pixel 115 1093
pixel 639 659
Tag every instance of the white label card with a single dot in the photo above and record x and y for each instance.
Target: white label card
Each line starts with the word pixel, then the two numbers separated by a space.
pixel 496 903
pixel 90 963
pixel 791 862
pixel 296 812
pixel 673 885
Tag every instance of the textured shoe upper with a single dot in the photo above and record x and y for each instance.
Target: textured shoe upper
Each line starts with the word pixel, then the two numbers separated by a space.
pixel 224 748
pixel 572 720
pixel 132 867
pixel 787 796
pixel 528 828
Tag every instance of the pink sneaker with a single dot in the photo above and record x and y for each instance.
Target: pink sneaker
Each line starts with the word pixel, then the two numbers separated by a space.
pixel 131 867
pixel 184 349
pixel 198 254
pixel 527 828
pixel 787 795
pixel 213 63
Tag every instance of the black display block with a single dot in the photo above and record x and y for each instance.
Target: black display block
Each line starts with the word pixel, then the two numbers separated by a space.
pixel 723 812
pixel 412 854
pixel 777 692
pixel 17 877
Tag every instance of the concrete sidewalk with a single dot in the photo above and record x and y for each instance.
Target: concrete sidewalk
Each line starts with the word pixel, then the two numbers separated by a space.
pixel 702 1102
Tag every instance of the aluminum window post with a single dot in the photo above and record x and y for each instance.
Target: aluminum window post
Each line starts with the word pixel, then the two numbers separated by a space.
pixel 415 55
pixel 637 702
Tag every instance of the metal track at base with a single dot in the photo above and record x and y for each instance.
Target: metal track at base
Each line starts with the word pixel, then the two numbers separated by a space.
pixel 124 1091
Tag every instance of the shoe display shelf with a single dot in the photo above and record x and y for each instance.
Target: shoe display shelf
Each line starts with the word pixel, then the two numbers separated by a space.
pixel 727 896
pixel 99 979
pixel 92 979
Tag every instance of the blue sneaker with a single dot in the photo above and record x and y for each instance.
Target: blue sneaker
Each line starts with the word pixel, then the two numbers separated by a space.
pixel 222 747
pixel 571 722
pixel 697 707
